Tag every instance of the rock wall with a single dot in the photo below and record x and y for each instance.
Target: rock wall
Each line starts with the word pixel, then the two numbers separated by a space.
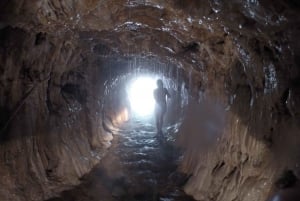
pixel 245 158
pixel 51 127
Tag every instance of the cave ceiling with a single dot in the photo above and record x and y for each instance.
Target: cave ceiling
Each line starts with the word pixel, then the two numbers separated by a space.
pixel 196 33
pixel 203 37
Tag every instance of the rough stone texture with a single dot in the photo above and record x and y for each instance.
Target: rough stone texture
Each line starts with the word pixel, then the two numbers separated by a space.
pixel 53 65
pixel 51 130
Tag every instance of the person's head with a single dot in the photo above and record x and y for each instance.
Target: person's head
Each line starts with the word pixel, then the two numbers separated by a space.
pixel 159 83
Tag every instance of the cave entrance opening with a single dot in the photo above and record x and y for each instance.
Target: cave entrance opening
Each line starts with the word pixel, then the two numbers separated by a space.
pixel 140 96
pixel 129 97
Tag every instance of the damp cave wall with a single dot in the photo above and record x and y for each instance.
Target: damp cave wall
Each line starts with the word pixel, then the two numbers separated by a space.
pixel 249 156
pixel 51 127
pixel 251 67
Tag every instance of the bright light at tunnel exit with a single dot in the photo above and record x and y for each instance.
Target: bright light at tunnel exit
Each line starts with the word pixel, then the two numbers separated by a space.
pixel 140 95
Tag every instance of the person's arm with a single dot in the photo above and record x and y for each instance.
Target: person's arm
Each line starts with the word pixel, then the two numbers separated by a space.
pixel 167 93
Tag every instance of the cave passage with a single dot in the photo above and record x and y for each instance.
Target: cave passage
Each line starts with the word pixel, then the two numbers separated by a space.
pixel 76 124
pixel 140 165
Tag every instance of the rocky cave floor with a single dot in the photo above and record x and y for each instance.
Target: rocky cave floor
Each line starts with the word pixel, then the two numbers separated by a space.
pixel 140 166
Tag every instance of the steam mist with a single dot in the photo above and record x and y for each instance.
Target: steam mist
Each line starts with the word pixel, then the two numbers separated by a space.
pixel 203 125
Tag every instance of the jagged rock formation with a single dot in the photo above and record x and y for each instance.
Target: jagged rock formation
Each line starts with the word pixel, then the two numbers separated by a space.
pixel 56 57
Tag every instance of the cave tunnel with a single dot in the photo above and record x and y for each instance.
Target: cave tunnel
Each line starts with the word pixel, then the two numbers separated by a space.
pixel 69 129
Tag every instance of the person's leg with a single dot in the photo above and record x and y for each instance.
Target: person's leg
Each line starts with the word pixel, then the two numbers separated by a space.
pixel 161 120
pixel 161 117
pixel 157 117
pixel 157 120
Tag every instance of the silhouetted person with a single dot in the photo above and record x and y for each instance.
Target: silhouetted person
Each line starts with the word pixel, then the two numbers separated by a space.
pixel 160 96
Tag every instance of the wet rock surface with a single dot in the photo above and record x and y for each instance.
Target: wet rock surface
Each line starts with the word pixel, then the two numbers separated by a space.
pixel 57 56
pixel 140 166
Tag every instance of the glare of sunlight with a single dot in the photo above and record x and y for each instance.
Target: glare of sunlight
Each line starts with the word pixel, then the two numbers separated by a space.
pixel 140 95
